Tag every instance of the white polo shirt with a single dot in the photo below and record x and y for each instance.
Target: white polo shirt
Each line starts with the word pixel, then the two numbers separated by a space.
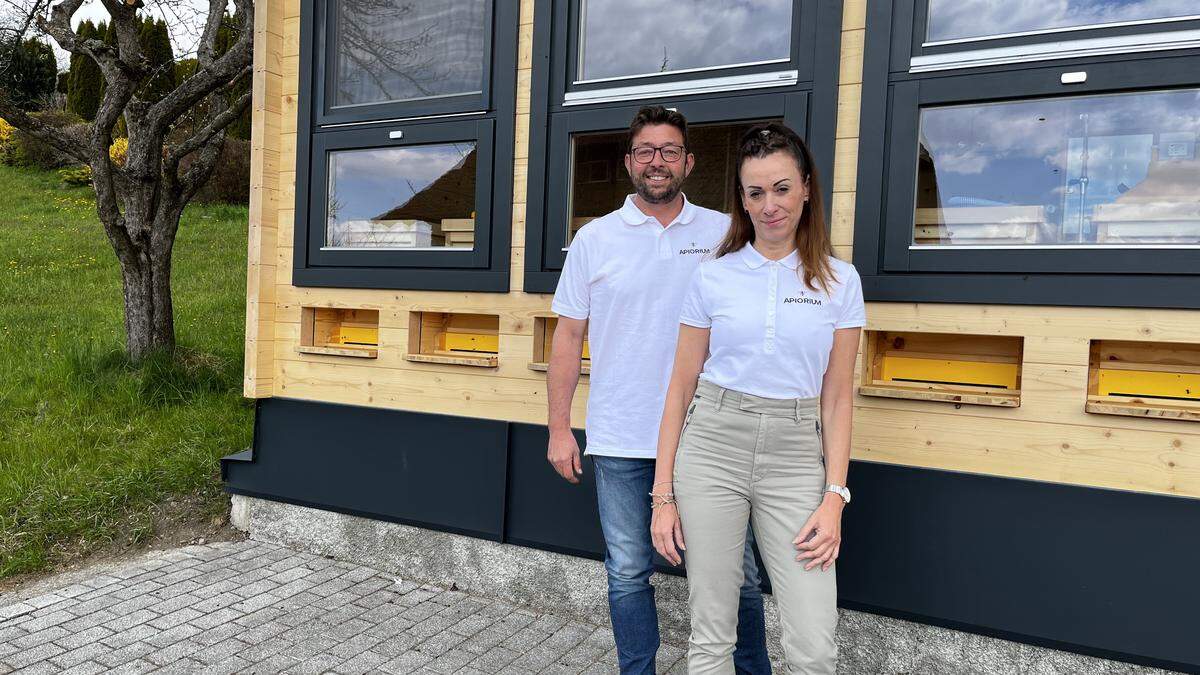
pixel 770 334
pixel 627 274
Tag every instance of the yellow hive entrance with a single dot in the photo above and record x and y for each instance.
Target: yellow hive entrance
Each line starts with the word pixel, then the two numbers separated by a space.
pixel 454 338
pixel 543 345
pixel 973 369
pixel 337 331
pixel 1144 379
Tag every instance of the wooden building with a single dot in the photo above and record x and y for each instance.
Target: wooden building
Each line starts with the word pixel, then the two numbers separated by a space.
pixel 1019 190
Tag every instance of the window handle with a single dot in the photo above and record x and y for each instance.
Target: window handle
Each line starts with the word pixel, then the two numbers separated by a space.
pixel 395 135
pixel 1077 77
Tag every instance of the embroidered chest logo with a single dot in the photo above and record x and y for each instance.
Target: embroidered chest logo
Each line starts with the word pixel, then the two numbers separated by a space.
pixel 693 250
pixel 801 300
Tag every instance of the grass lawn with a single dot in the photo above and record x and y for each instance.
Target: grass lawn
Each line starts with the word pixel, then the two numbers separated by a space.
pixel 88 444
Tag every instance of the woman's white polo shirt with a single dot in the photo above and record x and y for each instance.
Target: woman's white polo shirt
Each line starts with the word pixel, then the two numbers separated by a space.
pixel 770 334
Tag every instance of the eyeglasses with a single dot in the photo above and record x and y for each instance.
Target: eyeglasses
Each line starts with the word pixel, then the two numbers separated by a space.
pixel 644 154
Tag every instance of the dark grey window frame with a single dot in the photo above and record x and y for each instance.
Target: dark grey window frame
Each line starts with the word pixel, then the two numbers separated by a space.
pixel 326 16
pixel 566 53
pixel 810 105
pixel 891 100
pixel 481 132
pixel 486 267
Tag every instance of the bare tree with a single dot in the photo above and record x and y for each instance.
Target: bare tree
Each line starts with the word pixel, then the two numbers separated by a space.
pixel 140 203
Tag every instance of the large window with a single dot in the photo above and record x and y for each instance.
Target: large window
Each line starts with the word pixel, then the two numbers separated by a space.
pixel 599 181
pixel 598 61
pixel 681 37
pixel 392 52
pixel 1045 154
pixel 404 148
pixel 951 20
pixel 1110 169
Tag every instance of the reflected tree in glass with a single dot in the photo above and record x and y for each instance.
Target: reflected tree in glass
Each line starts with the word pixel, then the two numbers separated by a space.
pixel 400 50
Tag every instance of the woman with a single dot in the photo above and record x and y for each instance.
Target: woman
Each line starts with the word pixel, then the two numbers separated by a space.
pixel 771 328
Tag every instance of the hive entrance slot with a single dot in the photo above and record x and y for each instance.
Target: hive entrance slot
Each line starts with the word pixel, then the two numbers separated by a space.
pixel 1144 379
pixel 970 369
pixel 543 345
pixel 454 338
pixel 339 331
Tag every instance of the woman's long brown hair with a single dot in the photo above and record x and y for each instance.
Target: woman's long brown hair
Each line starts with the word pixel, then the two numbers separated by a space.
pixel 812 240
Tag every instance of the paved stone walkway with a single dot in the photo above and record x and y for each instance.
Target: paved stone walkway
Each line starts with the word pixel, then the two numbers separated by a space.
pixel 253 607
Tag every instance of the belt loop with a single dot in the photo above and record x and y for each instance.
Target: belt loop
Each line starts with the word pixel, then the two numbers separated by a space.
pixel 721 397
pixel 796 403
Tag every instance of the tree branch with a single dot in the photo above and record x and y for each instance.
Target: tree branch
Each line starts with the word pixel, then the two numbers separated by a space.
pixel 200 171
pixel 53 136
pixel 59 25
pixel 206 49
pixel 208 77
pixel 216 125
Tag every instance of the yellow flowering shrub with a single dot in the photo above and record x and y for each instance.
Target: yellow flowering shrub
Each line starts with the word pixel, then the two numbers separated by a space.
pixel 7 141
pixel 118 152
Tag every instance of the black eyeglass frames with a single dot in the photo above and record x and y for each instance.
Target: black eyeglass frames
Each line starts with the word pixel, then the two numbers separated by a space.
pixel 644 154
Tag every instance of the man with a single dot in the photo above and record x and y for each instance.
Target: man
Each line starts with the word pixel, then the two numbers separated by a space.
pixel 623 284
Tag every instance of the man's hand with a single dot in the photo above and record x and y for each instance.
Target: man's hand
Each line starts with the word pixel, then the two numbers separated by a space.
pixel 563 454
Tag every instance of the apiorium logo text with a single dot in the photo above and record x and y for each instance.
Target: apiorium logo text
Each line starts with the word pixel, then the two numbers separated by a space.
pixel 801 300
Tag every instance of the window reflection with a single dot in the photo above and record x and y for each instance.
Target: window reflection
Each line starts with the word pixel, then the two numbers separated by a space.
pixel 961 19
pixel 632 37
pixel 599 182
pixel 1115 169
pixel 410 197
pixel 401 50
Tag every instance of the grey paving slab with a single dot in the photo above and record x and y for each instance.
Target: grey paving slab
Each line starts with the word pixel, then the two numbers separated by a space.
pixel 254 607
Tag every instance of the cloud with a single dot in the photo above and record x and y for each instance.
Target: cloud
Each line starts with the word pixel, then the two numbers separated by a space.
pixel 630 37
pixel 370 182
pixel 1032 152
pixel 952 19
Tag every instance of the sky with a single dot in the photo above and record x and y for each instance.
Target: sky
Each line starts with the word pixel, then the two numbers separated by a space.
pixel 634 37
pixel 951 19
pixel 371 182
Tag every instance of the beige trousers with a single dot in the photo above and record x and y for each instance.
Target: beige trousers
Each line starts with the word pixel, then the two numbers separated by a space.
pixel 746 458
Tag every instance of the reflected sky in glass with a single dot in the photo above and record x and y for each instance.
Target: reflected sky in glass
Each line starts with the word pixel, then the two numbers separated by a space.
pixel 398 50
pixel 368 184
pixel 1078 169
pixel 957 19
pixel 638 37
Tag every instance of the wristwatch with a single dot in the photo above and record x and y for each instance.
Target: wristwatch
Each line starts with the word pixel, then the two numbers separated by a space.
pixel 840 490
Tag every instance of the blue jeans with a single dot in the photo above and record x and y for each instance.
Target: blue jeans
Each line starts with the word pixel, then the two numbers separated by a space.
pixel 622 491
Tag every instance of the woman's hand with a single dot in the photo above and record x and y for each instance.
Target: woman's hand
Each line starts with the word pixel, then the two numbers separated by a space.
pixel 825 528
pixel 667 533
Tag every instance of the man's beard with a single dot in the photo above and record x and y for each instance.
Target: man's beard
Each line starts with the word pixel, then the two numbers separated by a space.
pixel 657 194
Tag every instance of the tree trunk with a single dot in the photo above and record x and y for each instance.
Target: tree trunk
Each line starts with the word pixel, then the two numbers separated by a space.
pixel 149 318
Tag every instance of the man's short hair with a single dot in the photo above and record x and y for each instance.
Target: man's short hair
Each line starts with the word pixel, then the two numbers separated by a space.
pixel 656 114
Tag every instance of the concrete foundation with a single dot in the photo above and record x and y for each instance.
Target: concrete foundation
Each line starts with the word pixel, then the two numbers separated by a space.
pixel 576 587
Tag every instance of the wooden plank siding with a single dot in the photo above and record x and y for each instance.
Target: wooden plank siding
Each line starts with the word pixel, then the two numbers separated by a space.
pixel 263 226
pixel 1049 437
